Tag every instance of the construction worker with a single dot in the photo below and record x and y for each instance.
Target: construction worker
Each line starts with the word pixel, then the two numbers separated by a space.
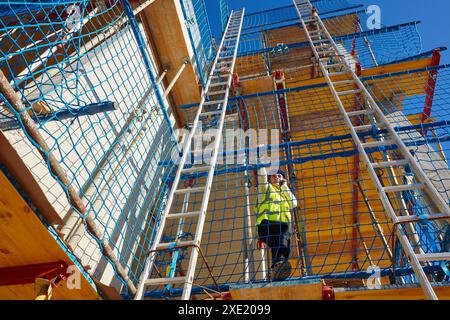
pixel 273 219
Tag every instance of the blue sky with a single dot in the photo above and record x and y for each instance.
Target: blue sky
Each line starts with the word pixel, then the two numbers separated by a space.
pixel 433 14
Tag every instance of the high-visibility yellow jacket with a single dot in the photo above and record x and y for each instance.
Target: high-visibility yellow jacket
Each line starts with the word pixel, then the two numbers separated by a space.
pixel 274 203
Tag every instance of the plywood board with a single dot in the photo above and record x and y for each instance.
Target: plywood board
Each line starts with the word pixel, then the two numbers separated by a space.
pixel 25 240
pixel 391 293
pixel 282 291
pixel 172 45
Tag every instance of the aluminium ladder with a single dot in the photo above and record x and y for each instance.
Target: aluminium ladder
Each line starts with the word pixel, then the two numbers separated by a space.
pixel 217 91
pixel 343 81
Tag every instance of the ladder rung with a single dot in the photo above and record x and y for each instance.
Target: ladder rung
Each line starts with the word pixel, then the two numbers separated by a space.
pixel 360 113
pixel 220 76
pixel 211 103
pixel 163 281
pixel 211 113
pixel 181 244
pixel 325 46
pixel 213 93
pixel 175 216
pixel 190 190
pixel 441 256
pixel 343 93
pixel 222 59
pixel 321 43
pixel 218 84
pixel 222 70
pixel 196 169
pixel 335 74
pixel 334 65
pixel 334 56
pixel 377 144
pixel 368 127
pixel 388 164
pixel 325 51
pixel 405 187
pixel 343 82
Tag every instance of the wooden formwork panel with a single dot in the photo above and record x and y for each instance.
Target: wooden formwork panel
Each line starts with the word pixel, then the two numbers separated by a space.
pixel 391 293
pixel 340 25
pixel 24 240
pixel 324 188
pixel 281 291
pixel 165 26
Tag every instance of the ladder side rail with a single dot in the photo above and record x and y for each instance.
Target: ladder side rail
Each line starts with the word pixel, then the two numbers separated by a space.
pixel 390 210
pixel 374 106
pixel 417 169
pixel 423 280
pixel 199 232
pixel 151 258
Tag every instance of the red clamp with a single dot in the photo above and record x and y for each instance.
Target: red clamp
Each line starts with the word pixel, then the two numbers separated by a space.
pixel 261 244
pixel 189 183
pixel 235 83
pixel 53 271
pixel 226 296
pixel 327 293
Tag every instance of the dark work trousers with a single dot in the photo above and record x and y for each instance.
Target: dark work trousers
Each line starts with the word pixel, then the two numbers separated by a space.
pixel 277 235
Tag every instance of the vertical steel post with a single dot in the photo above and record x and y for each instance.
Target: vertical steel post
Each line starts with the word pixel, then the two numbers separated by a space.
pixel 286 137
pixel 356 172
pixel 249 262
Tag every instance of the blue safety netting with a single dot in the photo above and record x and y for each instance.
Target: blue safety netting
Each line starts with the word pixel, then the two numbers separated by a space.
pixel 91 91
pixel 262 52
pixel 320 156
pixel 281 16
pixel 199 29
pixel 224 13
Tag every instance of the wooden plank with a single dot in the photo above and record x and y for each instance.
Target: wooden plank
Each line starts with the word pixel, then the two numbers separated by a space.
pixel 23 176
pixel 171 40
pixel 25 240
pixel 401 82
pixel 263 84
pixel 391 293
pixel 279 291
pixel 340 25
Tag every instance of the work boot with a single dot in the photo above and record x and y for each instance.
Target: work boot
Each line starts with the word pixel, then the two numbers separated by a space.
pixel 281 270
